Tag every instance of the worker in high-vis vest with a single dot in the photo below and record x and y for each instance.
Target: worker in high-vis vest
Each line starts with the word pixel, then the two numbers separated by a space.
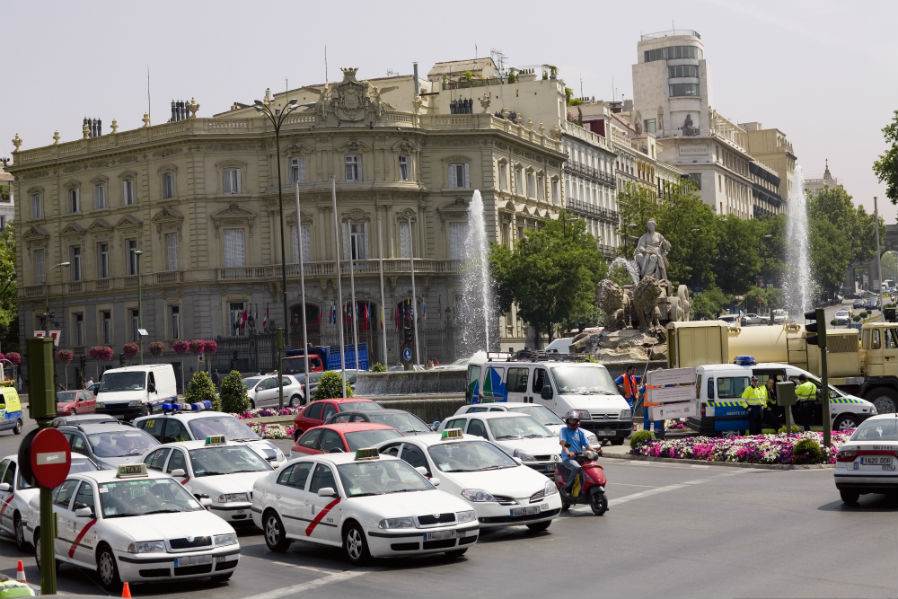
pixel 755 396
pixel 629 384
pixel 805 398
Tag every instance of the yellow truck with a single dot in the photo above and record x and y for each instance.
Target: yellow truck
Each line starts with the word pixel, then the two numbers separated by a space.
pixel 863 363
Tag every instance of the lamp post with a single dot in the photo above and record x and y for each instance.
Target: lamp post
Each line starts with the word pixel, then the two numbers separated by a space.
pixel 47 305
pixel 277 117
pixel 137 255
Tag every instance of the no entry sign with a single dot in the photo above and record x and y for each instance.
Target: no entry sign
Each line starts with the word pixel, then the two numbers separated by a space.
pixel 50 458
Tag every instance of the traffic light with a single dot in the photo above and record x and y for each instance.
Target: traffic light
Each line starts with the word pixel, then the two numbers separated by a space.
pixel 815 325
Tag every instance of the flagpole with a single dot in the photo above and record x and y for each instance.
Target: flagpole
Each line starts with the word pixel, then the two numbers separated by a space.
pixel 339 281
pixel 383 305
pixel 411 235
pixel 353 241
pixel 302 293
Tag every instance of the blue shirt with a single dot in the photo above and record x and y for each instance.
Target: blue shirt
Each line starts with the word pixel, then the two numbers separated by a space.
pixel 575 438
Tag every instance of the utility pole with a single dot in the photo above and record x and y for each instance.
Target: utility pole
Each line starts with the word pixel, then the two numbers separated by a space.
pixel 878 255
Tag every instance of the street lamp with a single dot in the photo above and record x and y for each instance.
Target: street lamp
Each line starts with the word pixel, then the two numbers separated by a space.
pixel 277 118
pixel 47 306
pixel 137 255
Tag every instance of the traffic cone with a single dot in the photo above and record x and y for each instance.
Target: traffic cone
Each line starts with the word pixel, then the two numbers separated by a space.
pixel 126 590
pixel 20 572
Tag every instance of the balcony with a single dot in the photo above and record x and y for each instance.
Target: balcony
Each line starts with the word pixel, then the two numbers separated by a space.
pixel 591 211
pixel 162 278
pixel 589 173
pixel 361 268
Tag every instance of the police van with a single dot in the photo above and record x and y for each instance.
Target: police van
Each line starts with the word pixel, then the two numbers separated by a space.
pixel 721 408
pixel 558 383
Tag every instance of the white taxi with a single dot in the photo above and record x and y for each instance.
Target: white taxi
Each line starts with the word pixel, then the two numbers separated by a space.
pixel 140 526
pixel 538 412
pixel 868 461
pixel 370 505
pixel 216 469
pixel 193 422
pixel 16 495
pixel 502 490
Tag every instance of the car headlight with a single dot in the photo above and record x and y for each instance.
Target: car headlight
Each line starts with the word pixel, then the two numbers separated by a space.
pixel 550 488
pixel 591 438
pixel 99 405
pixel 229 538
pixel 583 414
pixel 626 414
pixel 229 497
pixel 147 547
pixel 477 495
pixel 404 522
pixel 466 516
pixel 523 456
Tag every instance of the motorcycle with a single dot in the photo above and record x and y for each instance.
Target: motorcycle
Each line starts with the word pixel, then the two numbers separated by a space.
pixel 589 489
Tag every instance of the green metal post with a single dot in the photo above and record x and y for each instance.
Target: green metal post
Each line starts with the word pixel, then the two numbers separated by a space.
pixel 280 351
pixel 824 376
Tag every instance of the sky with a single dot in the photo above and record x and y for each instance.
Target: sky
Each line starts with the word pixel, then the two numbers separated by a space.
pixel 821 71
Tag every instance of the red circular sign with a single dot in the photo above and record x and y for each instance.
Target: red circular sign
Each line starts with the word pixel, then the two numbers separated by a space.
pixel 51 458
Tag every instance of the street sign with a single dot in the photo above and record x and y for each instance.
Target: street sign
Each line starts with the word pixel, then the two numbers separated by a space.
pixel 54 335
pixel 667 395
pixel 672 376
pixel 50 459
pixel 671 393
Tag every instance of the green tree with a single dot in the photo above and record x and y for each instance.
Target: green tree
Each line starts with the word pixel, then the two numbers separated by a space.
pixel 756 300
pixel 636 205
pixel 689 225
pixel 890 266
pixel 738 262
pixel 551 274
pixel 331 385
pixel 830 256
pixel 708 303
pixel 886 166
pixel 772 248
pixel 233 394
pixel 9 328
pixel 200 388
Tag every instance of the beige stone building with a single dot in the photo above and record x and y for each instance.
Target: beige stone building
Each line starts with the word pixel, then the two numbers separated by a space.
pixel 7 198
pixel 198 197
pixel 772 147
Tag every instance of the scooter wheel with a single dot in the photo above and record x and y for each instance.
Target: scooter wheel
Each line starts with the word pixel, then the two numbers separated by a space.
pixel 565 503
pixel 598 502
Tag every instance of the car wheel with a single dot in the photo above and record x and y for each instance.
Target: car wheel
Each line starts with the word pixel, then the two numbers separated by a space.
pixel 845 422
pixel 598 502
pixel 275 536
pixel 295 400
pixel 565 502
pixel 456 553
pixel 17 429
pixel 355 545
pixel 19 528
pixel 849 496
pixel 539 526
pixel 252 404
pixel 107 570
pixel 884 400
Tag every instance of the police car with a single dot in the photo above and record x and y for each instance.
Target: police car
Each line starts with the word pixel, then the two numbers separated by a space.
pixel 370 505
pixel 196 421
pixel 868 461
pixel 502 490
pixel 140 526
pixel 215 469
pixel 16 495
pixel 541 414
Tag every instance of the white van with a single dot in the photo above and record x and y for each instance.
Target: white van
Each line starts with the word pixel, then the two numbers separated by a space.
pixel 136 390
pixel 562 345
pixel 558 385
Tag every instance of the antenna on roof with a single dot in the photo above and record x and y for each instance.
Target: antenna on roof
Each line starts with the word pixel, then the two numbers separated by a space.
pixel 149 115
pixel 475 49
pixel 581 85
pixel 325 64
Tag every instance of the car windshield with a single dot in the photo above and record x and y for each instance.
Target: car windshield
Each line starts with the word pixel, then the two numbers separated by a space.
pixel 379 477
pixel 226 425
pixel 583 380
pixel 139 497
pixel 541 414
pixel 517 427
pixel 360 439
pixel 469 456
pixel 78 465
pixel 123 381
pixel 360 406
pixel 121 443
pixel 885 429
pixel 225 459
pixel 405 423
pixel 251 382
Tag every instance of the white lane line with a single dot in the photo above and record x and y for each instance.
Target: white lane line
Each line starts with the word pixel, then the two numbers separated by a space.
pixel 633 485
pixel 307 586
pixel 673 487
pixel 324 571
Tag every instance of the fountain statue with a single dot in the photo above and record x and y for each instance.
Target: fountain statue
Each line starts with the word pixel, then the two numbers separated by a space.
pixel 651 253
pixel 797 283
pixel 476 311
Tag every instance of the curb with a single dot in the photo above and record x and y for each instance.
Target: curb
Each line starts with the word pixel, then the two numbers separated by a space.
pixel 643 458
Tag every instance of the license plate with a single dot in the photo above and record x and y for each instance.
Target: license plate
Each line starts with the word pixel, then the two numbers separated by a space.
pixel 603 433
pixel 439 535
pixel 193 560
pixel 876 460
pixel 525 511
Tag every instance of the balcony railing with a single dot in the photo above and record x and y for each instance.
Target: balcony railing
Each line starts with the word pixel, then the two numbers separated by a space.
pixel 590 173
pixel 590 210
pixel 391 266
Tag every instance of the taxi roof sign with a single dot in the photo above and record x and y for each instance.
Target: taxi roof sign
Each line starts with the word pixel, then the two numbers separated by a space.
pixel 451 433
pixel 131 471
pixel 367 453
pixel 216 440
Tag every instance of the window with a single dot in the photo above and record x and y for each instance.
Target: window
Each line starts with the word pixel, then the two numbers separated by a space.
pixel 174 320
pixel 456 423
pixel 9 476
pixel 100 196
pixel 37 205
pixel 39 264
pixel 75 260
pixel 314 411
pixel 404 168
pixel 519 180
pixel 168 185
pixel 106 326
pixel 477 428
pixel 517 380
pixel 296 475
pixel 531 184
pixel 102 260
pixel 321 478
pixel 134 318
pixel 503 175
pixel 78 317
pixel 405 239
pixel 329 410
pixel 555 189
pixel 310 438
pixel 330 441
pixel 306 231
pixel 63 493
pixel 672 53
pixel 74 197
pixel 296 172
pixel 176 461
pixel 355 241
pixel 650 126
pixel 682 70
pixel 353 168
pixel 540 186
pixel 683 89
pixel 84 498
pixel 174 430
pixel 234 248
pixel 458 234
pixel 156 460
pixel 458 175
pixel 128 192
pixel 132 256
pixel 235 312
pixel 540 380
pixel 731 387
pixel 171 252
pixel 232 183
pixel 414 456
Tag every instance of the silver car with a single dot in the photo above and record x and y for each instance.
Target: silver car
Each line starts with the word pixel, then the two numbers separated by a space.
pixel 263 390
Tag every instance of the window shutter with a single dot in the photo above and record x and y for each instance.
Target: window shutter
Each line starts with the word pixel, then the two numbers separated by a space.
pixel 467 179
pixel 451 176
pixel 239 182
pixel 347 246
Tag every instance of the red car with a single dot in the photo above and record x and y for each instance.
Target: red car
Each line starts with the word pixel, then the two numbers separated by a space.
pixel 316 412
pixel 346 437
pixel 80 401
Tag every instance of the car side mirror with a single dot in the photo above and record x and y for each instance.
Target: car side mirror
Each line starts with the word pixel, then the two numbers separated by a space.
pixel 435 482
pixel 178 472
pixel 336 450
pixel 519 461
pixel 84 512
pixel 421 470
pixel 546 392
pixel 205 502
pixel 5 487
pixel 435 425
pixel 327 492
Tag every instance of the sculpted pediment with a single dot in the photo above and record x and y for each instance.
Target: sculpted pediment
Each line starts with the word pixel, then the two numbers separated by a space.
pixel 234 213
pixel 99 225
pixel 35 233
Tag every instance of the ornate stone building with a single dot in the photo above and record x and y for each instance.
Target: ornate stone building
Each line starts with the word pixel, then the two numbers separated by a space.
pixel 198 197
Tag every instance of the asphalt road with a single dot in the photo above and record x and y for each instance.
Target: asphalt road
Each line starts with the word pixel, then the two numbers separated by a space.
pixel 672 530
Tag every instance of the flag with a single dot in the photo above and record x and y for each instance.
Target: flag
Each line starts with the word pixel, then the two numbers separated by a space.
pixel 333 317
pixel 265 320
pixel 423 311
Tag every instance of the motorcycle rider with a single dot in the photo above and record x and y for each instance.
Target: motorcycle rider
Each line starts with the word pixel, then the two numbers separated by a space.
pixel 573 441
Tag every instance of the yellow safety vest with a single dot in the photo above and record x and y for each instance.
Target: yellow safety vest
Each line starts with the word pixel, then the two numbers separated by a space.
pixel 806 391
pixel 755 396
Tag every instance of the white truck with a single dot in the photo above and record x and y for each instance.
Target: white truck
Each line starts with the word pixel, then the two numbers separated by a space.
pixel 134 391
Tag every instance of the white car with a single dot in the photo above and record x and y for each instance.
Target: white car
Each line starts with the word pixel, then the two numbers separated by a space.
pixel 370 505
pixel 518 434
pixel 868 461
pixel 541 414
pixel 263 391
pixel 16 495
pixel 502 490
pixel 842 318
pixel 131 524
pixel 221 471
pixel 196 425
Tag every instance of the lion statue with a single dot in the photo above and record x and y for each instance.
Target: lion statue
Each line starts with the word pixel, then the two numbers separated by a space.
pixel 615 302
pixel 645 302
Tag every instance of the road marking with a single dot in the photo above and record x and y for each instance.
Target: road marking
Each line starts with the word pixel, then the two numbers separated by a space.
pixel 298 566
pixel 632 485
pixel 312 584
pixel 673 487
pixel 669 466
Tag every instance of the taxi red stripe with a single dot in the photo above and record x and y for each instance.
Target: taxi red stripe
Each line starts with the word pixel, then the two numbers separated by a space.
pixel 80 536
pixel 317 520
pixel 6 503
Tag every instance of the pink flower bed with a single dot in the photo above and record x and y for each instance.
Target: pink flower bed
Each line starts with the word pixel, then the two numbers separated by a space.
pixel 266 412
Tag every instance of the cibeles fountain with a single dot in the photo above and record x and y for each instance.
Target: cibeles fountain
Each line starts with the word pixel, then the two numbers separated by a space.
pixel 636 313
